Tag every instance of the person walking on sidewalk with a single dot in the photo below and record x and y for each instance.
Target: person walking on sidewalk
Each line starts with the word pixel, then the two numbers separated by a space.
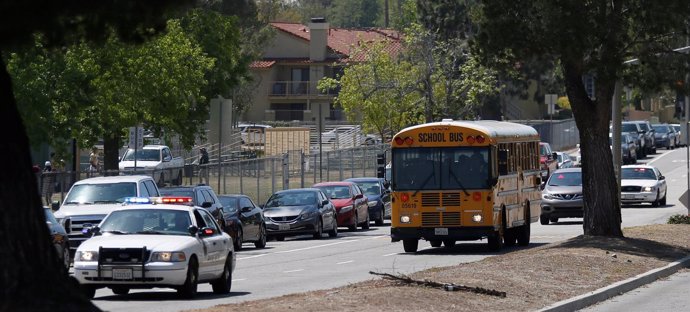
pixel 203 166
pixel 93 162
pixel 48 180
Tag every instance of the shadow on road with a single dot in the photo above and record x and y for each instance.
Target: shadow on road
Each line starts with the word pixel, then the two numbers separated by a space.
pixel 460 248
pixel 168 296
pixel 635 246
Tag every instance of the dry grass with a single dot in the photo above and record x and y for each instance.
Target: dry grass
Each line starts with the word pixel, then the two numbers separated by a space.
pixel 532 278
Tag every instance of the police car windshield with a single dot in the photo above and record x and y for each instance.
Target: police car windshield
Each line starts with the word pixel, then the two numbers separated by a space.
pixel 147 221
pixel 104 193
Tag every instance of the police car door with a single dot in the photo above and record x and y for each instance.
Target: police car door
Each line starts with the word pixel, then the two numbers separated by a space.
pixel 218 244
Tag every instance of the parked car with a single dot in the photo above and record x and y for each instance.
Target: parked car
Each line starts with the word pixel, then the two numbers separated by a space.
pixel 547 160
pixel 350 203
pixel 58 236
pixel 300 211
pixel 638 133
pixel 562 196
pixel 156 160
pixel 645 129
pixel 378 197
pixel 253 134
pixel 155 245
pixel 679 134
pixel 642 184
pixel 564 160
pixel 244 220
pixel 628 148
pixel 348 136
pixel 665 136
pixel 202 196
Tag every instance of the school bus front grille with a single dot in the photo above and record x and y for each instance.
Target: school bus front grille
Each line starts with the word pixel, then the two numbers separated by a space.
pixel 431 218
pixel 440 219
pixel 440 199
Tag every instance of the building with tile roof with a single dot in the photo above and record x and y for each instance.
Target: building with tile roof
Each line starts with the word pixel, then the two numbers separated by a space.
pixel 297 58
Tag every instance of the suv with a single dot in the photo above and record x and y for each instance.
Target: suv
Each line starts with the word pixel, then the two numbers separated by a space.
pixel 90 200
pixel 548 160
pixel 562 196
pixel 649 135
pixel 636 131
pixel 202 196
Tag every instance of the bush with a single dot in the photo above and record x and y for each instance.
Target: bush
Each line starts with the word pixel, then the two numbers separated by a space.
pixel 679 219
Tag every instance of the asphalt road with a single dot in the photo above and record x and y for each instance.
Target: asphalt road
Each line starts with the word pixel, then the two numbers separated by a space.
pixel 302 264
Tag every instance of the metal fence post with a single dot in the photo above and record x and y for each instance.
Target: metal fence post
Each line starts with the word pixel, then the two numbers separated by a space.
pixel 239 171
pixel 286 171
pixel 340 164
pixel 273 175
pixel 328 166
pixel 364 161
pixel 301 161
pixel 352 163
pixel 258 178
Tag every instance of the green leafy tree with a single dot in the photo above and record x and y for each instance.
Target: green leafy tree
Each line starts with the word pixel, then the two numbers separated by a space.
pixel 30 264
pixel 355 13
pixel 587 38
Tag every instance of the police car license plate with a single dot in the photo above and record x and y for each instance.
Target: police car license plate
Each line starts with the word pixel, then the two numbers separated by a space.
pixel 122 274
pixel 283 227
pixel 628 196
pixel 441 231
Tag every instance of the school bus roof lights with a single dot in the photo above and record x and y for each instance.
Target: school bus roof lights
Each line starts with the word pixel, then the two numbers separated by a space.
pixel 480 139
pixel 401 141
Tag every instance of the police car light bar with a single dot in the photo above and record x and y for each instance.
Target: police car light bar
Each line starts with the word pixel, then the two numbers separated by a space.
pixel 184 200
pixel 137 200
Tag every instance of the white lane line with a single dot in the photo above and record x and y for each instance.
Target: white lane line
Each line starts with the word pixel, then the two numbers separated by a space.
pixel 239 279
pixel 326 245
pixel 293 271
pixel 344 262
pixel 657 158
pixel 391 254
pixel 250 257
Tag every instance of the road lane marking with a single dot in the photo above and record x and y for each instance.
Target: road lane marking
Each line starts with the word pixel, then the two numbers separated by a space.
pixel 391 254
pixel 657 158
pixel 293 271
pixel 344 262
pixel 312 247
pixel 239 279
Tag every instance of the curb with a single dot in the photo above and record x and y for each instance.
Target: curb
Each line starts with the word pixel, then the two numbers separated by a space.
pixel 602 294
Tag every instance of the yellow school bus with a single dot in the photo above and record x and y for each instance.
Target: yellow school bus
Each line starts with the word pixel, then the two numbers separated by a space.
pixel 465 180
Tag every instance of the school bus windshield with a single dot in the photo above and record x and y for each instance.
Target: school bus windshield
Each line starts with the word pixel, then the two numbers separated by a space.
pixel 446 168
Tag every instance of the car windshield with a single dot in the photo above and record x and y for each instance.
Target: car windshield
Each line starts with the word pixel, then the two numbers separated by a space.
pixel 336 191
pixel 229 203
pixel 449 168
pixel 143 155
pixel 103 193
pixel 370 188
pixel 566 179
pixel 302 198
pixel 177 192
pixel 147 221
pixel 661 129
pixel 644 126
pixel 638 174
pixel 628 128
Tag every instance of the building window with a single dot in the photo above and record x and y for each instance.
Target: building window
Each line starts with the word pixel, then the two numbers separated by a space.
pixel 289 111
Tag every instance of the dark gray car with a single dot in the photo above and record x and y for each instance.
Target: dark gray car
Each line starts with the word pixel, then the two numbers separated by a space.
pixel 665 136
pixel 562 196
pixel 300 211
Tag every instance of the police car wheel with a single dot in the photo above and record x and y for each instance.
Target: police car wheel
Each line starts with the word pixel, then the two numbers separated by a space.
pixel 188 289
pixel 120 290
pixel 224 283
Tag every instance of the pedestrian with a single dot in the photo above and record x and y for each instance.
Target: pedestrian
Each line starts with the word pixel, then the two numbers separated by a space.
pixel 203 166
pixel 93 161
pixel 48 183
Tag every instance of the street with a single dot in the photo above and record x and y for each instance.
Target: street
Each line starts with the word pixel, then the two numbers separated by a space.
pixel 301 264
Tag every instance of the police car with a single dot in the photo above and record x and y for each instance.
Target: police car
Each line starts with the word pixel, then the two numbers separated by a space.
pixel 150 243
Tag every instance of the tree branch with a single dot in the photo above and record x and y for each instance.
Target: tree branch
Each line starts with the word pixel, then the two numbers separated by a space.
pixel 445 286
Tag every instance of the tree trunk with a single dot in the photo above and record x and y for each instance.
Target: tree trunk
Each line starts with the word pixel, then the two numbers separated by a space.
pixel 602 213
pixel 111 151
pixel 31 275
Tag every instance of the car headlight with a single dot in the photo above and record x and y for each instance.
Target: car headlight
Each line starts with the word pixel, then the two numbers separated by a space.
pixel 664 137
pixel 176 256
pixel 405 219
pixel 86 256
pixel 548 196
pixel 308 215
pixel 648 188
pixel 373 203
pixel 346 208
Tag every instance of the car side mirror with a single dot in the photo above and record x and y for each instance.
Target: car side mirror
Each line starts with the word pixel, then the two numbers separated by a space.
pixel 193 230
pixel 324 203
pixel 55 205
pixel 206 205
pixel 358 196
pixel 206 231
pixel 662 178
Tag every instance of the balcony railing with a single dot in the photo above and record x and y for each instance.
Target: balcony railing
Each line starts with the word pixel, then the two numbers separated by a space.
pixel 299 88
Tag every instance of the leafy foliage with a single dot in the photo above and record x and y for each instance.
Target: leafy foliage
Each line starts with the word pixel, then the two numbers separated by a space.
pixel 679 219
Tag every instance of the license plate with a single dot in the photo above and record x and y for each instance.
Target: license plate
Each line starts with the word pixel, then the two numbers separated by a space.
pixel 122 274
pixel 283 227
pixel 441 231
pixel 628 196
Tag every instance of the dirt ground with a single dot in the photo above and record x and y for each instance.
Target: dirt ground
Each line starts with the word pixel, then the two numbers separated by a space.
pixel 531 278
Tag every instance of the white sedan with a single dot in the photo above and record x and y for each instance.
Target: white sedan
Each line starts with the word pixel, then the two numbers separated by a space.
pixel 155 245
pixel 642 184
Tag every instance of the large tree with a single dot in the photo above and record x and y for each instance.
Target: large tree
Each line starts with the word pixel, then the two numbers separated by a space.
pixel 31 277
pixel 586 38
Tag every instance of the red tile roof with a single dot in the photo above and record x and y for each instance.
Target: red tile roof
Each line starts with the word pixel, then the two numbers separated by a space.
pixel 342 41
pixel 262 64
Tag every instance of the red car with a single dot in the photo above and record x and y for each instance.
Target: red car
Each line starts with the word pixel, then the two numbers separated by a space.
pixel 350 203
pixel 548 160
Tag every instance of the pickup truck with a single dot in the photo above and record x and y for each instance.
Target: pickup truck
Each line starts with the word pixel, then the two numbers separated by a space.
pixel 156 160
pixel 90 200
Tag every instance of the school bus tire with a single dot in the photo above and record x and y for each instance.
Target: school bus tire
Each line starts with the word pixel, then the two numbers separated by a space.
pixel 523 232
pixel 509 235
pixel 495 241
pixel 410 244
pixel 435 243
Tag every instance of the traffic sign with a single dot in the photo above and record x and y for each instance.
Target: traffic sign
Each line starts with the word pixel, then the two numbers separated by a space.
pixel 551 100
pixel 684 199
pixel 136 137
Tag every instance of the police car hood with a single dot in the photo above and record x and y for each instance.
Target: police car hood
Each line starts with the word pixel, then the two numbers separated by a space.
pixel 86 210
pixel 140 164
pixel 638 182
pixel 150 241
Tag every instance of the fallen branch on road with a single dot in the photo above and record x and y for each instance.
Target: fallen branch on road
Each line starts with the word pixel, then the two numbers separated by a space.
pixel 445 286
